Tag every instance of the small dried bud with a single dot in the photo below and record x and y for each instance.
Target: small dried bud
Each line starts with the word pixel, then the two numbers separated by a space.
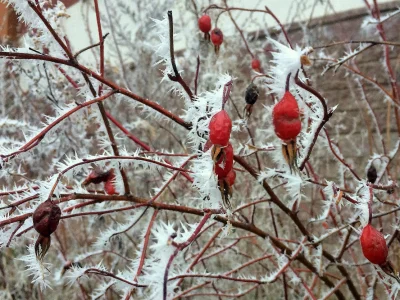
pixel 304 60
pixel 372 174
pixel 251 94
pixel 42 245
pixel 46 218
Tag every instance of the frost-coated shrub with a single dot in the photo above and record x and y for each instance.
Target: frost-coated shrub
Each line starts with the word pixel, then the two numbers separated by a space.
pixel 116 137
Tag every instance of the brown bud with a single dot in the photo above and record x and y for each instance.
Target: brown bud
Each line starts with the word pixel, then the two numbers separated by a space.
pixel 304 60
pixel 46 218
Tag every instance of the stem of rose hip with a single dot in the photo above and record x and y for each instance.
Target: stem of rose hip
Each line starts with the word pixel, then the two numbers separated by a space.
pixel 371 196
pixel 287 82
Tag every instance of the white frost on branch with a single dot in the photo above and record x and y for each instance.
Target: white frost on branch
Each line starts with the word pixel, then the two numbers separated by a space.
pixel 162 49
pixel 312 112
pixel 45 188
pixel 41 37
pixel 161 251
pixel 293 182
pixel 76 272
pixel 200 112
pixel 100 291
pixel 36 268
pixel 202 109
pixel 332 194
pixel 285 61
pixel 362 196
pixel 105 237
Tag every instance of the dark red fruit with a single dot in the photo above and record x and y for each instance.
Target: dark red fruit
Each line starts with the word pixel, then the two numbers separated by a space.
pixel 220 129
pixel 217 37
pixel 286 118
pixel 230 178
pixel 225 163
pixel 46 218
pixel 205 23
pixel 255 64
pixel 373 245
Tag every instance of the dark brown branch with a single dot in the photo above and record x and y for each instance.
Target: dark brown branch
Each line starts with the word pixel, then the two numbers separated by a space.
pixel 176 77
pixel 91 46
pixel 326 117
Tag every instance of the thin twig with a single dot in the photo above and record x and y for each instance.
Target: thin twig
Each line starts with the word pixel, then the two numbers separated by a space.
pixel 176 77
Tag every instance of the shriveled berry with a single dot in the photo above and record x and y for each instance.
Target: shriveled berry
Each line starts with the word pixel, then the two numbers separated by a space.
pixel 225 163
pixel 220 128
pixel 286 118
pixel 230 178
pixel 205 23
pixel 252 93
pixel 373 245
pixel 372 175
pixel 217 37
pixel 255 64
pixel 46 218
pixel 97 177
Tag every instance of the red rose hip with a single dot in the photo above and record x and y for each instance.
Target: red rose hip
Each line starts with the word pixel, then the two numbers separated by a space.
pixel 205 23
pixel 220 128
pixel 255 64
pixel 286 118
pixel 287 125
pixel 373 245
pixel 217 38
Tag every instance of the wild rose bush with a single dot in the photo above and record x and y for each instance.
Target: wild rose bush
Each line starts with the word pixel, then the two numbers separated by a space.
pixel 116 137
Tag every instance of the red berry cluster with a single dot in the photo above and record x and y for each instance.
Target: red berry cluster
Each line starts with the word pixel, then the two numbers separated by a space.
pixel 287 125
pixel 216 37
pixel 97 177
pixel 222 152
